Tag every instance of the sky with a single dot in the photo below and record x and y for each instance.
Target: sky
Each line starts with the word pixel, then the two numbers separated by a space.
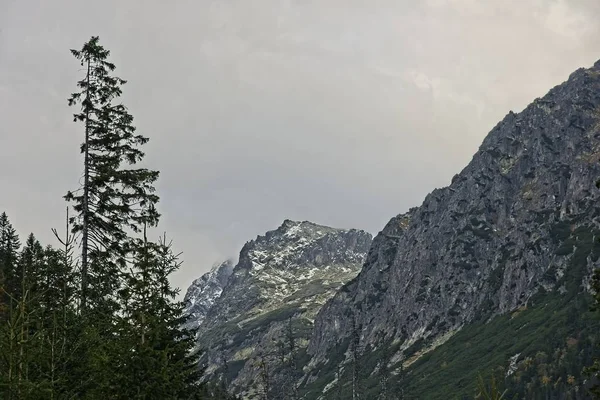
pixel 344 113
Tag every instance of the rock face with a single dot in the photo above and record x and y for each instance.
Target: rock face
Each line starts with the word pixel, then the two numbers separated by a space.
pixel 272 295
pixel 204 291
pixel 481 246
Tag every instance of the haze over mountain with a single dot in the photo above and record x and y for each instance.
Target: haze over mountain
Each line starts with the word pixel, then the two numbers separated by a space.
pixel 339 113
pixel 491 273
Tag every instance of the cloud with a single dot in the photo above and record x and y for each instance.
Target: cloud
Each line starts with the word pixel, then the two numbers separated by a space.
pixel 564 20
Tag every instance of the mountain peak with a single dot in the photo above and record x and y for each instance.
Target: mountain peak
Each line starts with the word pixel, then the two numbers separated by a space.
pixel 294 240
pixel 289 224
pixel 289 272
pixel 221 264
pixel 204 291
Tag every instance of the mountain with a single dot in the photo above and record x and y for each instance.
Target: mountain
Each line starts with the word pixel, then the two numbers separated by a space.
pixel 512 239
pixel 263 315
pixel 204 291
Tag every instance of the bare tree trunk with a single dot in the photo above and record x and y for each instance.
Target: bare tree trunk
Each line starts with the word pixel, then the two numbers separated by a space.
pixel 59 345
pixel 145 285
pixel 53 355
pixel 11 352
pixel 22 339
pixel 86 194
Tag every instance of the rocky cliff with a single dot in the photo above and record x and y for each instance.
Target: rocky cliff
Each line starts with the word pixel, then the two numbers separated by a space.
pixel 204 291
pixel 510 225
pixel 256 330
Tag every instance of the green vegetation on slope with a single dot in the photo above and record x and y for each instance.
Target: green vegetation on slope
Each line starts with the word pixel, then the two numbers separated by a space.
pixel 554 337
pixel 551 340
pixel 551 332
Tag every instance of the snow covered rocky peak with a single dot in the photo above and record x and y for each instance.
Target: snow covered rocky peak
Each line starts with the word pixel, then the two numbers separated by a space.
pixel 289 272
pixel 204 291
pixel 298 244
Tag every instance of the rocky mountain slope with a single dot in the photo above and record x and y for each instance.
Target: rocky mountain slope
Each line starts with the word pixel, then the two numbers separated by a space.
pixel 520 220
pixel 263 315
pixel 204 291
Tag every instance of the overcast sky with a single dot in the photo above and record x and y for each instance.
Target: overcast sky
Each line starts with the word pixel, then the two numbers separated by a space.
pixel 344 113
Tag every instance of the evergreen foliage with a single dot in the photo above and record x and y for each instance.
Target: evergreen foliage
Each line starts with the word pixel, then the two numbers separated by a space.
pixel 106 324
pixel 593 370
pixel 489 391
pixel 9 249
pixel 115 197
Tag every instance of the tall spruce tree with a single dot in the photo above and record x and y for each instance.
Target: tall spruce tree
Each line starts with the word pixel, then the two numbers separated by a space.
pixel 131 337
pixel 113 328
pixel 115 197
pixel 113 203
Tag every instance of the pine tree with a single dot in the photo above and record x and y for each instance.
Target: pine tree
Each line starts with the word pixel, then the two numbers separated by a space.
pixel 161 362
pixel 9 304
pixel 113 329
pixel 113 196
pixel 130 336
pixel 489 391
pixel 21 336
pixel 58 320
pixel 10 318
pixel 116 200
pixel 32 262
pixel 56 324
pixel 9 251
